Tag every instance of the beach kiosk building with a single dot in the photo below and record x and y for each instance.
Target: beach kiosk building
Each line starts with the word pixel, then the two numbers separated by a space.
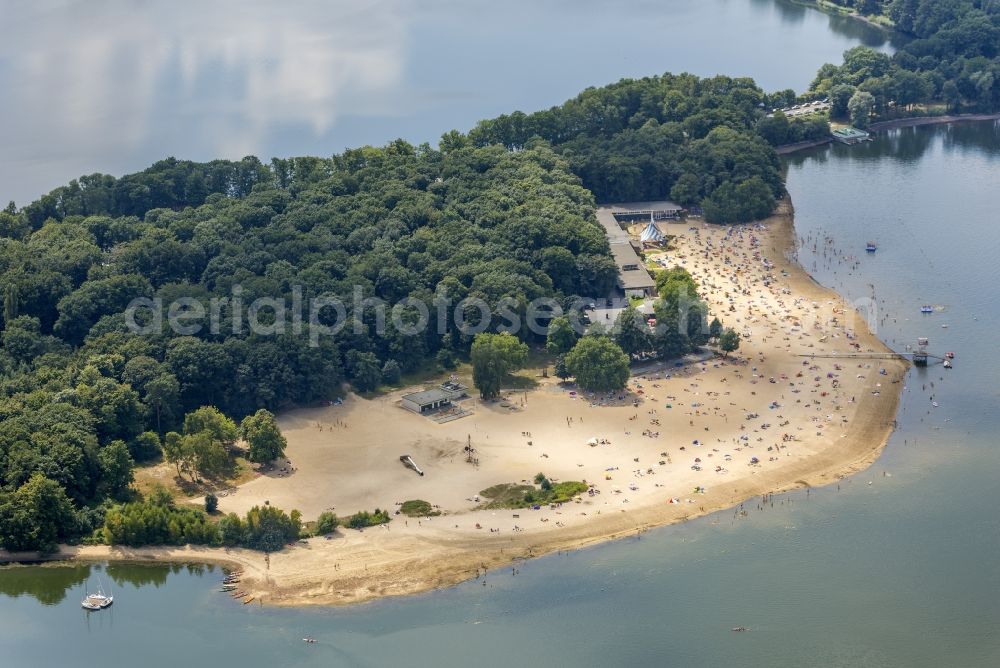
pixel 428 400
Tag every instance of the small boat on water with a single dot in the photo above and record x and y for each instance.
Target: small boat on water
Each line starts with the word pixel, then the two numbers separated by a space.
pixel 927 309
pixel 309 640
pixel 947 364
pixel 97 601
pixel 871 247
pixel 950 355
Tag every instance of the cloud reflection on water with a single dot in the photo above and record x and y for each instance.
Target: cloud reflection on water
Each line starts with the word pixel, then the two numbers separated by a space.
pixel 209 78
pixel 113 85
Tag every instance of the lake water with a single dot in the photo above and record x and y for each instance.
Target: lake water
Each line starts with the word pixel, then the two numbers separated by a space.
pixel 113 85
pixel 896 567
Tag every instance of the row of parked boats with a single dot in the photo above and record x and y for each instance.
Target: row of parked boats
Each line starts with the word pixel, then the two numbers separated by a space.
pixel 230 585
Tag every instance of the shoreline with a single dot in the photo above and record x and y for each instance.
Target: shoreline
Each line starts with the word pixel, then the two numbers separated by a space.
pixel 787 149
pixel 355 567
pixel 916 121
pixel 836 10
pixel 892 124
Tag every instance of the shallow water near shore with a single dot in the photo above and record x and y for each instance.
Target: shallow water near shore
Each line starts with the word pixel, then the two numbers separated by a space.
pixel 896 566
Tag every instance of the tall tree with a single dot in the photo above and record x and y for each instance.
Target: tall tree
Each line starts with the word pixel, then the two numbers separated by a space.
pixel 163 398
pixel 561 336
pixel 36 516
pixel 729 341
pixel 494 356
pixel 598 364
pixel 210 420
pixel 116 468
pixel 715 329
pixel 264 438
pixel 561 370
pixel 631 332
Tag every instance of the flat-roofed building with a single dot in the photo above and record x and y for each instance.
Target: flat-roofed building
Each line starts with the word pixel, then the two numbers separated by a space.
pixel 633 278
pixel 630 212
pixel 850 135
pixel 428 400
pixel 441 396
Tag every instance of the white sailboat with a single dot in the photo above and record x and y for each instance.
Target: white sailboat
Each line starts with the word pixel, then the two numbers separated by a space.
pixel 98 600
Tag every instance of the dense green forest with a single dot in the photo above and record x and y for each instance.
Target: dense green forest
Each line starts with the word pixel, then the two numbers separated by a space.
pixel 953 58
pixel 504 213
pixel 692 140
pixel 76 386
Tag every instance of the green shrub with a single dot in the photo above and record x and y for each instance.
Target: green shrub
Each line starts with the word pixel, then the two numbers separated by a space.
pixel 366 519
pixel 326 523
pixel 512 495
pixel 417 508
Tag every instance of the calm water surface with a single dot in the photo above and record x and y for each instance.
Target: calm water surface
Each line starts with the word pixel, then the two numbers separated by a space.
pixel 113 85
pixel 895 568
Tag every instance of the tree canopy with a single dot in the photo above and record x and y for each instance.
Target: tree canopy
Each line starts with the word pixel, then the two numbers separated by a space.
pixel 264 438
pixel 672 135
pixel 561 336
pixel 729 340
pixel 953 58
pixel 494 356
pixel 598 364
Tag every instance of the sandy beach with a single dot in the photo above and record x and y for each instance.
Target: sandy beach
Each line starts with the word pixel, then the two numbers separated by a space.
pixel 679 443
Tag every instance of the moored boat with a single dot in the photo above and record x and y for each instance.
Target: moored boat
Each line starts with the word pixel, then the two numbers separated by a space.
pixel 97 601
